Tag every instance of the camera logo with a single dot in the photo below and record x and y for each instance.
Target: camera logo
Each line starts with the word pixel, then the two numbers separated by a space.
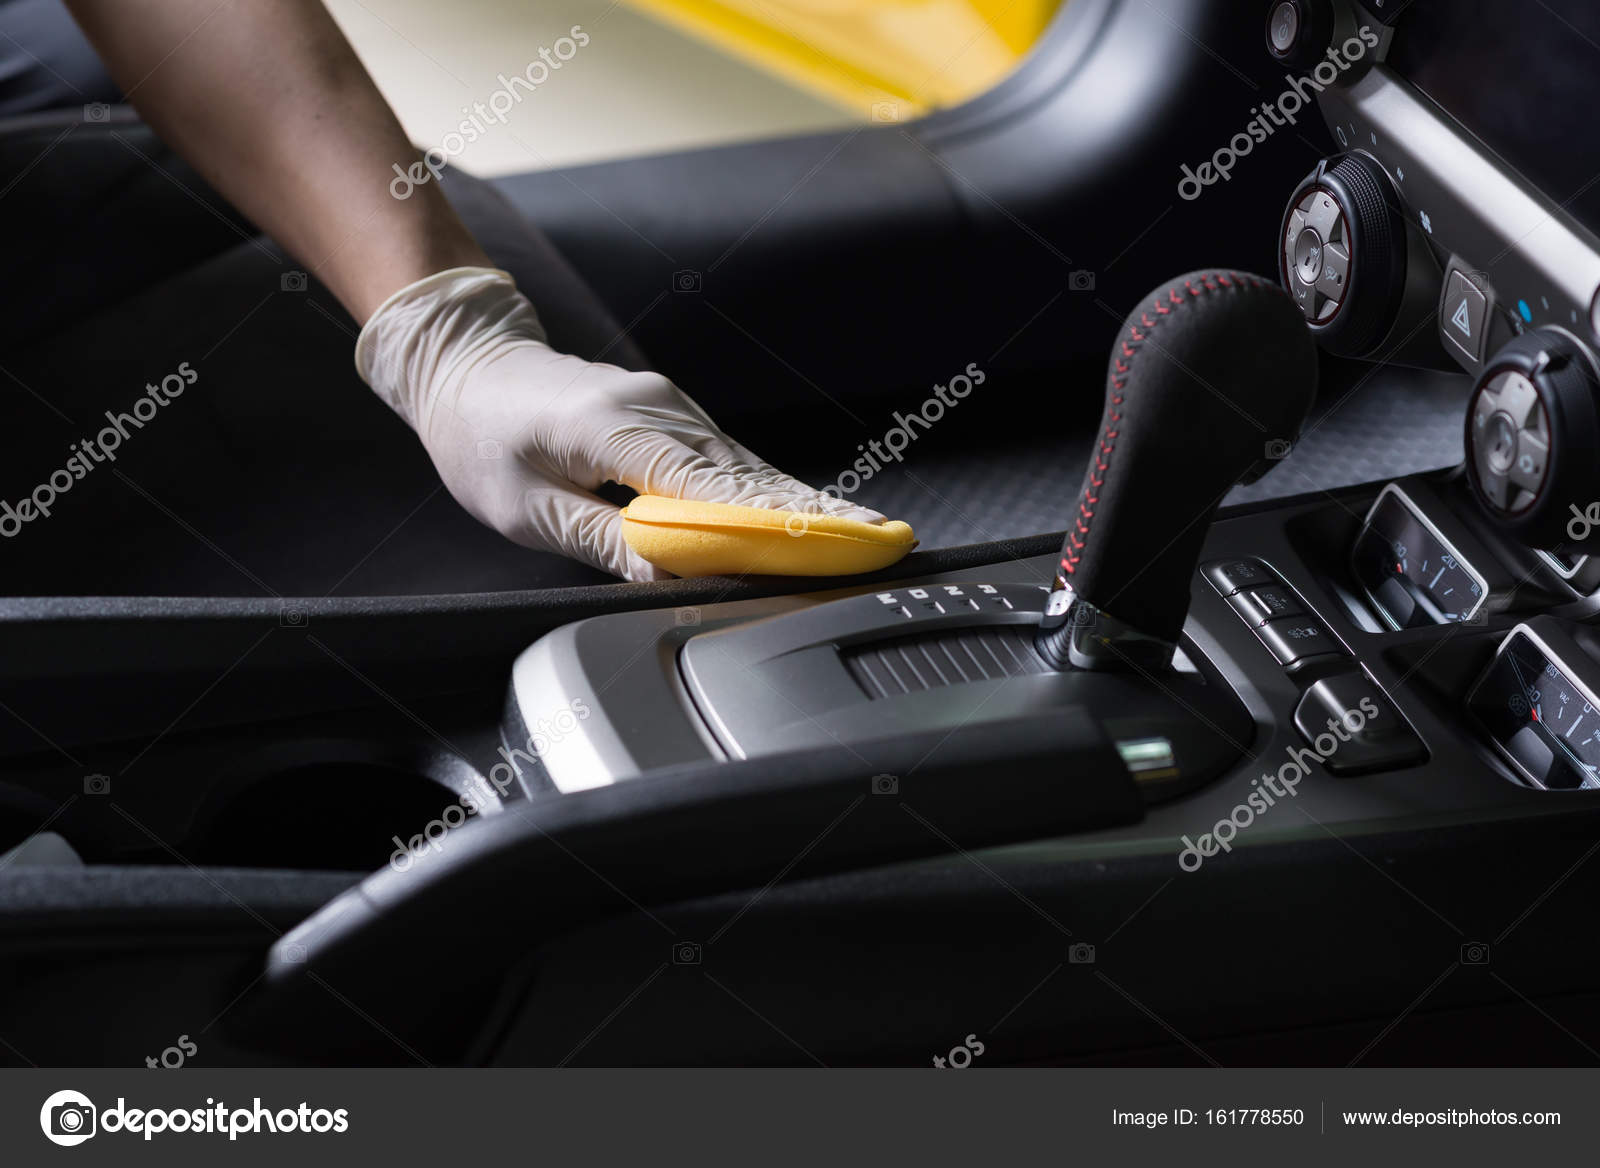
pixel 97 111
pixel 491 448
pixel 1474 953
pixel 686 617
pixel 291 617
pixel 1081 954
pixel 97 784
pixel 885 111
pixel 686 953
pixel 1278 448
pixel 67 1118
pixel 1080 281
pixel 292 282
pixel 885 785
pixel 686 280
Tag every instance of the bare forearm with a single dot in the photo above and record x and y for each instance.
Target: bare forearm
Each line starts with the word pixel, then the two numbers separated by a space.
pixel 266 99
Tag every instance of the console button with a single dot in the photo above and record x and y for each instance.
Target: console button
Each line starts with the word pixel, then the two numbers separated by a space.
pixel 1464 315
pixel 1283 27
pixel 1500 442
pixel 1519 399
pixel 1532 455
pixel 1494 486
pixel 1509 441
pixel 1260 604
pixel 1228 576
pixel 1323 216
pixel 1335 270
pixel 1306 297
pixel 1308 256
pixel 1366 741
pixel 1294 638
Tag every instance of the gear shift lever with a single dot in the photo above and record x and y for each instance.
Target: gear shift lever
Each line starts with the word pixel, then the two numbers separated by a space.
pixel 1210 378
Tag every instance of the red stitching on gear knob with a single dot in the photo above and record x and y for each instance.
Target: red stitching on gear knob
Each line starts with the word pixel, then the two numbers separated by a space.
pixel 1121 370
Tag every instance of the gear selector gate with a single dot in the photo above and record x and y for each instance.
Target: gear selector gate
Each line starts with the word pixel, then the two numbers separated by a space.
pixel 1207 375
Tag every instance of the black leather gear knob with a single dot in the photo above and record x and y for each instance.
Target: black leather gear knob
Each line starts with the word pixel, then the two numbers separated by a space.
pixel 1210 377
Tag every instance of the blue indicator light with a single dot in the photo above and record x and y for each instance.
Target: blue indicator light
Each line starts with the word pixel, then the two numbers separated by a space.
pixel 1527 313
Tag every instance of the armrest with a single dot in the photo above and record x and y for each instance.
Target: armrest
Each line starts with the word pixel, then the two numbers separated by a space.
pixel 500 886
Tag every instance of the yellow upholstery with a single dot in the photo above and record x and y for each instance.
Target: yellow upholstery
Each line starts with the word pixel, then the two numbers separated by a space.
pixel 719 539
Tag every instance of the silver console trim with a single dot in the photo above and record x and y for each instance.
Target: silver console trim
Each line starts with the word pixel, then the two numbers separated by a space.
pixel 592 755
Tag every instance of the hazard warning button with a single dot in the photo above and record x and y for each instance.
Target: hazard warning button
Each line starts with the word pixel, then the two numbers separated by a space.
pixel 1463 314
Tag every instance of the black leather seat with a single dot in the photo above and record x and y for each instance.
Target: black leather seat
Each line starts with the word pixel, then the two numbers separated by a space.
pixel 278 471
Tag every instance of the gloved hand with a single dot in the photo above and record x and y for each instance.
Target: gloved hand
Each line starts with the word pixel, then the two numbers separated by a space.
pixel 521 434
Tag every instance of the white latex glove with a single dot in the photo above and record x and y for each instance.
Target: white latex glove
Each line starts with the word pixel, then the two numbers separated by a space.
pixel 522 434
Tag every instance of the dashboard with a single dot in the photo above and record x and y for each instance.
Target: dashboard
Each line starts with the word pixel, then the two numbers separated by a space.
pixel 1479 198
pixel 1520 79
pixel 1455 229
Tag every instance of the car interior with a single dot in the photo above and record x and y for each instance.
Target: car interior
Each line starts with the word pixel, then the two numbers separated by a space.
pixel 1239 705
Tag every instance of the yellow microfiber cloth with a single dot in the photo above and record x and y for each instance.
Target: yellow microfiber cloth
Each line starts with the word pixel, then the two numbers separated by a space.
pixel 721 539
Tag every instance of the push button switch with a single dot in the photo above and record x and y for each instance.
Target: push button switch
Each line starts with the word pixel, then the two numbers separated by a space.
pixel 1295 638
pixel 1464 314
pixel 1228 576
pixel 1262 603
pixel 1368 733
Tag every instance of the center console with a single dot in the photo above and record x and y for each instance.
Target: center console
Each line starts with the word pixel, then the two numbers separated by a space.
pixel 1413 654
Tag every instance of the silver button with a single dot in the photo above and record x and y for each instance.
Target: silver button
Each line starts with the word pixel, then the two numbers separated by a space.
pixel 1285 26
pixel 1335 269
pixel 1494 486
pixel 1533 454
pixel 1306 297
pixel 1323 218
pixel 1517 397
pixel 1308 256
pixel 1500 438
